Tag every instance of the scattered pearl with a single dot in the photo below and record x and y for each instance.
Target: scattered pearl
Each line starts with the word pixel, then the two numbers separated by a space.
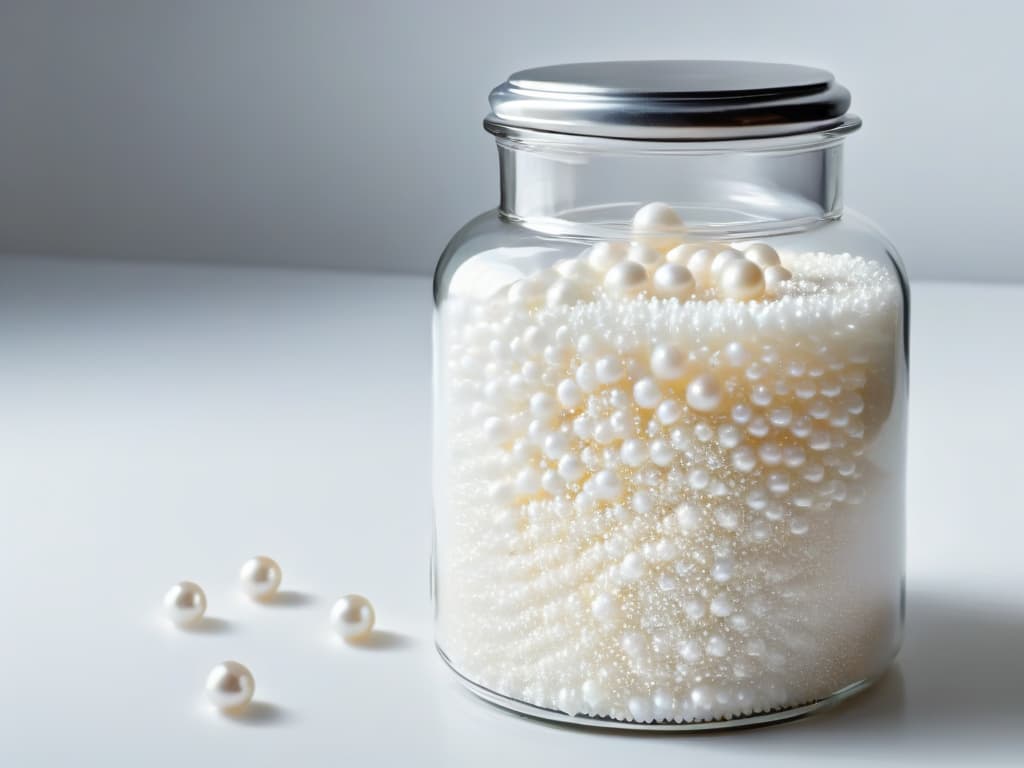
pixel 185 603
pixel 704 393
pixel 668 362
pixel 605 609
pixel 625 278
pixel 607 484
pixel 609 370
pixel 722 258
pixel 661 453
pixel 260 578
pixel 669 412
pixel 571 468
pixel 673 280
pixel 659 219
pixel 699 264
pixel 569 394
pixel 352 617
pixel 230 686
pixel 564 292
pixel 634 452
pixel 761 254
pixel 742 280
pixel 644 255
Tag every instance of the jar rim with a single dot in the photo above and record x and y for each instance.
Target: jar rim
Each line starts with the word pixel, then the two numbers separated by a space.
pixel 670 101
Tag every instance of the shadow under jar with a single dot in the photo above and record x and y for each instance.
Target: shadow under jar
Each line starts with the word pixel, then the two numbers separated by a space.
pixel 670 381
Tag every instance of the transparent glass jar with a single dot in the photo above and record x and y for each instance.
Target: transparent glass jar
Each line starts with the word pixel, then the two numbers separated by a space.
pixel 671 392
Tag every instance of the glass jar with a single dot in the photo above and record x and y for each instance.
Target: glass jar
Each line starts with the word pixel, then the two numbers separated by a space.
pixel 671 393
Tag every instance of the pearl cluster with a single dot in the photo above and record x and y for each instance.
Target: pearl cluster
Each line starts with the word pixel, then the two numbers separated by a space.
pixel 650 455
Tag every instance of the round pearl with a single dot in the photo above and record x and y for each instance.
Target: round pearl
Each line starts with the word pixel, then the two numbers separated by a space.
pixel 260 577
pixel 609 370
pixel 577 270
pixel 569 393
pixel 571 468
pixel 352 617
pixel 604 256
pixel 659 219
pixel 634 452
pixel 699 265
pixel 646 393
pixel 230 686
pixel 761 254
pixel 185 603
pixel 563 292
pixel 681 253
pixel 723 257
pixel 775 276
pixel 607 484
pixel 643 254
pixel 742 280
pixel 669 412
pixel 626 277
pixel 673 281
pixel 668 362
pixel 704 393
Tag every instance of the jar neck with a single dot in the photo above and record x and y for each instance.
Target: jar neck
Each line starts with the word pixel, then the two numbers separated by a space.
pixel 729 190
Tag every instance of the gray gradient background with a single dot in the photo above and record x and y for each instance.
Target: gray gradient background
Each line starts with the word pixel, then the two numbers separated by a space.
pixel 348 133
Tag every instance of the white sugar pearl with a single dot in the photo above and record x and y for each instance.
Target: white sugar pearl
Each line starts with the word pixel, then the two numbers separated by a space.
pixel 644 255
pixel 260 577
pixel 669 411
pixel 605 609
pixel 609 370
pixel 761 254
pixel 661 453
pixel 704 393
pixel 569 393
pixel 668 362
pixel 673 281
pixel 775 276
pixel 604 256
pixel 607 484
pixel 185 603
pixel 564 292
pixel 626 277
pixel 578 271
pixel 688 516
pixel 571 468
pixel 742 280
pixel 634 452
pixel 230 686
pixel 681 253
pixel 659 219
pixel 646 393
pixel 543 406
pixel 723 257
pixel 352 617
pixel 699 265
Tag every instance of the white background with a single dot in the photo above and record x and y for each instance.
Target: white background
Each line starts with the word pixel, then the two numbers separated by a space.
pixel 348 132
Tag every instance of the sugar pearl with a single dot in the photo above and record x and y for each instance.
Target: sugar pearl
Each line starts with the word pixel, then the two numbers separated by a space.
pixel 659 219
pixel 704 393
pixel 604 256
pixel 723 257
pixel 625 278
pixel 699 265
pixel 673 281
pixel 775 276
pixel 742 280
pixel 564 292
pixel 668 362
pixel 646 393
pixel 569 393
pixel 761 254
pixel 644 255
pixel 352 617
pixel 230 686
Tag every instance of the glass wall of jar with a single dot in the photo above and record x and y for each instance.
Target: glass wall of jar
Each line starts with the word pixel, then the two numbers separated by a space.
pixel 670 381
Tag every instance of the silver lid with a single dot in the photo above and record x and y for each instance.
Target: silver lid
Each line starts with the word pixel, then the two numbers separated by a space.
pixel 670 100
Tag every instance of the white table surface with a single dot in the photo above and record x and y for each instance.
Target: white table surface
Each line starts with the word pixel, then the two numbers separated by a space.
pixel 161 422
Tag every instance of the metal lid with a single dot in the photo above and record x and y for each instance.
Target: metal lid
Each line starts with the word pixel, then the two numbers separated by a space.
pixel 670 100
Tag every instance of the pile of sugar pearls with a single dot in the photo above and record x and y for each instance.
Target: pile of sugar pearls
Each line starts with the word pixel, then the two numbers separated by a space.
pixel 644 491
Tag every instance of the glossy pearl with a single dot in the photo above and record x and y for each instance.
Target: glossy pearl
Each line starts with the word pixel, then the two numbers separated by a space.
pixel 699 265
pixel 704 393
pixel 260 577
pixel 659 219
pixel 604 256
pixel 775 276
pixel 723 257
pixel 563 292
pixel 646 393
pixel 681 253
pixel 644 255
pixel 626 277
pixel 668 362
pixel 352 617
pixel 761 254
pixel 742 280
pixel 185 603
pixel 673 281
pixel 230 686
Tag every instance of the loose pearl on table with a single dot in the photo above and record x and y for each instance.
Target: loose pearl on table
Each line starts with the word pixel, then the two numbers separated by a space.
pixel 185 603
pixel 673 280
pixel 230 686
pixel 352 617
pixel 742 280
pixel 646 393
pixel 723 257
pixel 704 393
pixel 761 254
pixel 626 277
pixel 260 578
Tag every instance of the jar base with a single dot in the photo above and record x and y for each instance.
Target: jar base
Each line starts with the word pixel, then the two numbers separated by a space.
pixel 593 721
